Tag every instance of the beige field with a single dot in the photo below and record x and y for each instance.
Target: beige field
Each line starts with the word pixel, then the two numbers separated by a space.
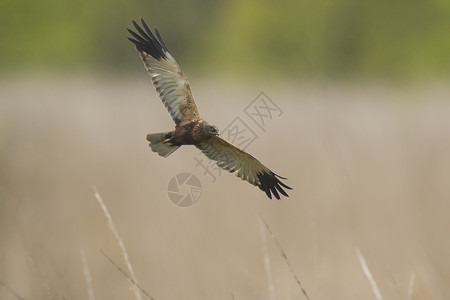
pixel 370 168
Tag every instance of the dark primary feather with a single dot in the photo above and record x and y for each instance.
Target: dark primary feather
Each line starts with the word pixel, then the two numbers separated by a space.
pixel 272 185
pixel 167 77
pixel 145 41
pixel 161 40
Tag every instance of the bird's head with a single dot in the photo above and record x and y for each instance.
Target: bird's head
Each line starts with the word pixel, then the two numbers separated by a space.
pixel 213 130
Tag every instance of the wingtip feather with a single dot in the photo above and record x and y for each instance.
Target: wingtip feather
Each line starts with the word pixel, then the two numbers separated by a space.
pixel 270 184
pixel 146 42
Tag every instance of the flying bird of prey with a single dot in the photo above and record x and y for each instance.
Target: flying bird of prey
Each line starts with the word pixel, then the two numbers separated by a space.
pixel 174 91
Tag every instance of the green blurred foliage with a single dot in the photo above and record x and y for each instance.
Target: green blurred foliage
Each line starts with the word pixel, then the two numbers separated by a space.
pixel 91 34
pixel 330 38
pixel 310 39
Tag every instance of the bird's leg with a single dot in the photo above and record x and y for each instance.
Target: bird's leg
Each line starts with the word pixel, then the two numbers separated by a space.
pixel 168 140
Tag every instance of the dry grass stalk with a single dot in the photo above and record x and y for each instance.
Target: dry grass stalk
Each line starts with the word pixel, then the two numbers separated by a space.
pixel 267 264
pixel 283 254
pixel 134 283
pixel 394 282
pixel 368 274
pixel 87 275
pixel 113 229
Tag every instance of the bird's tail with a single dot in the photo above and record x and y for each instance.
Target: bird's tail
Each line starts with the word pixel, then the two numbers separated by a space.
pixel 160 143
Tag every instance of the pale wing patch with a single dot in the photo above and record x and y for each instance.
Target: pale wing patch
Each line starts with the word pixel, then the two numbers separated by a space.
pixel 170 83
pixel 245 166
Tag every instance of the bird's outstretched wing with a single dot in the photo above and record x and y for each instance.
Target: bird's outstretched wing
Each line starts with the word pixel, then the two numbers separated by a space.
pixel 245 166
pixel 168 79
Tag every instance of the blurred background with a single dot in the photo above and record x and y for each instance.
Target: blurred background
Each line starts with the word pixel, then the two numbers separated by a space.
pixel 288 39
pixel 363 138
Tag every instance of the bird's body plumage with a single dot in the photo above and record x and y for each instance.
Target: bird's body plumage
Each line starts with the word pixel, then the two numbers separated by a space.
pixel 190 133
pixel 175 92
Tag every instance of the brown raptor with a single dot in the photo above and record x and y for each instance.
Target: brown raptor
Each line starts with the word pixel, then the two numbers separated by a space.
pixel 175 92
